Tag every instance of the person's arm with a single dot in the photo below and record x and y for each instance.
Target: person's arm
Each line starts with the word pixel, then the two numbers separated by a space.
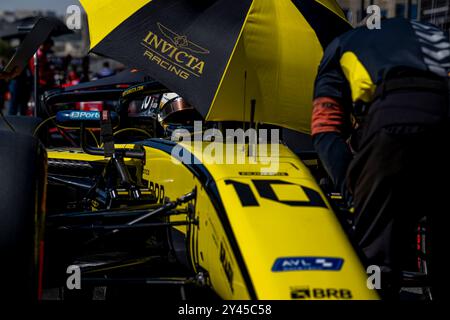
pixel 10 75
pixel 329 140
pixel 331 118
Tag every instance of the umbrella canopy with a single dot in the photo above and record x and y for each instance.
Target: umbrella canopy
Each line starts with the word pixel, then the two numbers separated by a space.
pixel 224 55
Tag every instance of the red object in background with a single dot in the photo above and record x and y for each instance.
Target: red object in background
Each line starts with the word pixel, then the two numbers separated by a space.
pixel 46 74
pixel 90 106
pixel 70 83
pixel 72 80
pixel 30 111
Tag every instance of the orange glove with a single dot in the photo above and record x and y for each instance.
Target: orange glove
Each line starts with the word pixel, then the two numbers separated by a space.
pixel 327 116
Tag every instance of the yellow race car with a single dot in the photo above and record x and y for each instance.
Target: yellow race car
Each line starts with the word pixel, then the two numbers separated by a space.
pixel 132 206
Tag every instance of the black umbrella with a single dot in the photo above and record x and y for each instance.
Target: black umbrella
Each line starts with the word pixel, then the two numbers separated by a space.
pixel 233 60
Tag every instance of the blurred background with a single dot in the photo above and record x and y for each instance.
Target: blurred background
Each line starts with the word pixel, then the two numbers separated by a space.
pixel 434 11
pixel 64 62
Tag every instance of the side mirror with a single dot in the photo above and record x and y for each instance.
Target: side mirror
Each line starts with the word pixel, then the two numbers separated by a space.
pixel 90 119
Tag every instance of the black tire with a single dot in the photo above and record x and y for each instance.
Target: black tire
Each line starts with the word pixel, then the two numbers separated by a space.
pixel 21 124
pixel 22 214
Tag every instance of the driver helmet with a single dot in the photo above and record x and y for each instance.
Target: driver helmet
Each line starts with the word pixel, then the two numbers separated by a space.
pixel 173 109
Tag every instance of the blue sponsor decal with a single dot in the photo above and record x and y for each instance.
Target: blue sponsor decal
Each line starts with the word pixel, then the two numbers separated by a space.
pixel 307 264
pixel 77 116
pixel 84 115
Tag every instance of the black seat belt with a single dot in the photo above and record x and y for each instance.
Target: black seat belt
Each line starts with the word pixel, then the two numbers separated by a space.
pixel 106 133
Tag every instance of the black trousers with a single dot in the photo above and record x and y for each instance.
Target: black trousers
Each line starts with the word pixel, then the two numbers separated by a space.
pixel 401 173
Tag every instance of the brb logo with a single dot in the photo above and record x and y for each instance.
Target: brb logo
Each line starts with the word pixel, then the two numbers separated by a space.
pixel 303 293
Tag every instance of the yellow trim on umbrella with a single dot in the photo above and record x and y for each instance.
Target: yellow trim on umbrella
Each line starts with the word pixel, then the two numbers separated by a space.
pixel 230 59
pixel 282 87
pixel 105 15
pixel 334 7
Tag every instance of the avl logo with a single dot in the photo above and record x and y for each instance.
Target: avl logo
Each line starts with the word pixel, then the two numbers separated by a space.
pixel 307 264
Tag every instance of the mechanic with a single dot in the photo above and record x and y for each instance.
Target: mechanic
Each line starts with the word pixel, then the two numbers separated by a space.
pixel 380 127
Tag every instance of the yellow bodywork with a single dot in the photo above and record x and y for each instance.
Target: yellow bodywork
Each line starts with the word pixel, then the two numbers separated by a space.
pixel 236 244
pixel 262 233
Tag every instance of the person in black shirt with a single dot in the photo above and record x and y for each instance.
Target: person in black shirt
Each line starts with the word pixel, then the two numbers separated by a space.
pixel 380 127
